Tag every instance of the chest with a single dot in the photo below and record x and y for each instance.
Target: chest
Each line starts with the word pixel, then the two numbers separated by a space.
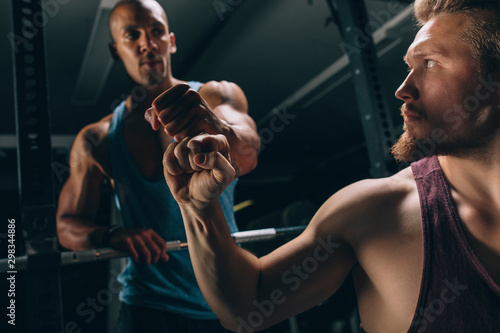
pixel 481 230
pixel 146 148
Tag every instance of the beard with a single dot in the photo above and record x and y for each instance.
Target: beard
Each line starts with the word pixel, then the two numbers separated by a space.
pixel 153 79
pixel 411 149
pixel 408 148
pixel 441 140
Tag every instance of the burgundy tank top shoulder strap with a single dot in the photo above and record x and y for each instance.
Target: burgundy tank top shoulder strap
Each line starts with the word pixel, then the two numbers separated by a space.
pixel 457 294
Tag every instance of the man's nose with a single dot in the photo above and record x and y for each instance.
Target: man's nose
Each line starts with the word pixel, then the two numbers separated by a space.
pixel 408 91
pixel 147 44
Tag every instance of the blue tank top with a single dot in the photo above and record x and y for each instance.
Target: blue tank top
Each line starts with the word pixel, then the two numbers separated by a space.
pixel 168 286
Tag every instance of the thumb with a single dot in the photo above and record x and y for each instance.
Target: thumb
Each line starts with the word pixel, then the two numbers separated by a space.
pixel 223 172
pixel 151 118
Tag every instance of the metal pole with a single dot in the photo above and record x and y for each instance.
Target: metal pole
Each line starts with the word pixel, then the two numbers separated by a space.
pixel 356 32
pixel 34 162
pixel 80 257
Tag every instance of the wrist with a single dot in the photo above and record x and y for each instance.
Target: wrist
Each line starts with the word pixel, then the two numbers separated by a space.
pixel 198 208
pixel 199 212
pixel 106 236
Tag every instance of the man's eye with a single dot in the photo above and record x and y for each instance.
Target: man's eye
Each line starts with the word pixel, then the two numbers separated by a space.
pixel 430 63
pixel 132 35
pixel 158 32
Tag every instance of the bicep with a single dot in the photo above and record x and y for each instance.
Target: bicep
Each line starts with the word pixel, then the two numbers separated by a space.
pixel 305 271
pixel 228 101
pixel 313 266
pixel 80 195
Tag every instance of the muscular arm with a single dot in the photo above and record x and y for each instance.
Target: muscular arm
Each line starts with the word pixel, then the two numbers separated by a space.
pixel 235 283
pixel 218 108
pixel 290 280
pixel 79 203
pixel 80 196
pixel 229 103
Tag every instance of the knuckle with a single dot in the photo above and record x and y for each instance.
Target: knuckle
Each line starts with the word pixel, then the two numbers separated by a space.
pixel 142 233
pixel 192 95
pixel 179 151
pixel 171 147
pixel 163 117
pixel 156 103
pixel 170 162
pixel 171 128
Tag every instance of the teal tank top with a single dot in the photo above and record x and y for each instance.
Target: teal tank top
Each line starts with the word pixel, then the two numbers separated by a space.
pixel 169 286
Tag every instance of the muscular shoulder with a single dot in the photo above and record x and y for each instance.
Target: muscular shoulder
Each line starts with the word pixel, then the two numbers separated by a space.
pixel 91 146
pixel 223 92
pixel 372 193
pixel 365 206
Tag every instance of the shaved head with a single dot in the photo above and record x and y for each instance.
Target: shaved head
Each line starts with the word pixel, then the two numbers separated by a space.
pixel 142 41
pixel 139 4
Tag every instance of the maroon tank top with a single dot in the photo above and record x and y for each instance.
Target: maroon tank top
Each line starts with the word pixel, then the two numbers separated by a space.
pixel 457 294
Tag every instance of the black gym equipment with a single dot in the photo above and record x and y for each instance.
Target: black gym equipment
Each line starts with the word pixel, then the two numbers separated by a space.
pixel 36 247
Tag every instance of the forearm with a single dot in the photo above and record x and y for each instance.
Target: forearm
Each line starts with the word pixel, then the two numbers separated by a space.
pixel 245 145
pixel 78 234
pixel 228 276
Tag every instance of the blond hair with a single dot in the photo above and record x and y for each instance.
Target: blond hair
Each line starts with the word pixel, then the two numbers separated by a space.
pixel 482 31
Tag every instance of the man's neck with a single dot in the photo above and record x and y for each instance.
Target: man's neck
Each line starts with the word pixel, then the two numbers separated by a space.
pixel 476 176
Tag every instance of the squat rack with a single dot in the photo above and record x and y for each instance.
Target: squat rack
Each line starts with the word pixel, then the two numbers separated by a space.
pixel 36 237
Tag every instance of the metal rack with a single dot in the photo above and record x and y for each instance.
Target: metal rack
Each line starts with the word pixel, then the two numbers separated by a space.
pixel 37 243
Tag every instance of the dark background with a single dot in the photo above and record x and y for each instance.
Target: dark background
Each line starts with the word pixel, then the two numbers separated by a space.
pixel 272 49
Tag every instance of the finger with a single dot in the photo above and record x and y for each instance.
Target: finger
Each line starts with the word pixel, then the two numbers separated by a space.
pixel 130 249
pixel 151 118
pixel 162 245
pixel 164 256
pixel 181 153
pixel 205 161
pixel 189 121
pixel 175 109
pixel 184 125
pixel 194 149
pixel 170 162
pixel 154 250
pixel 223 172
pixel 143 251
pixel 169 96
pixel 201 121
pixel 209 143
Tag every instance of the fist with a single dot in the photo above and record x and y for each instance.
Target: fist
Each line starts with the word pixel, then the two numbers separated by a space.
pixel 197 170
pixel 182 112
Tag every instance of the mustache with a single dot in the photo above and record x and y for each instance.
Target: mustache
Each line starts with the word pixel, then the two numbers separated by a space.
pixel 150 57
pixel 413 109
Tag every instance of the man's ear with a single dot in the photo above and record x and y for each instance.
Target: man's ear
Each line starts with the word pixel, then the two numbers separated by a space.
pixel 114 52
pixel 173 47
